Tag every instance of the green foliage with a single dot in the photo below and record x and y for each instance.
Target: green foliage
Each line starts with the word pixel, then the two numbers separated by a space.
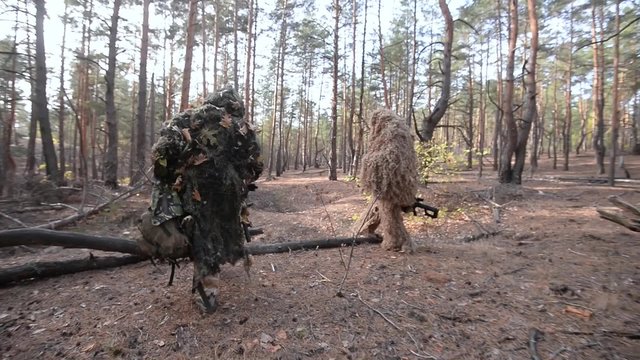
pixel 435 159
pixel 350 178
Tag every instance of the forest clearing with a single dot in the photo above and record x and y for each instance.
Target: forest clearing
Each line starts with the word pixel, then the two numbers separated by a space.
pixel 474 288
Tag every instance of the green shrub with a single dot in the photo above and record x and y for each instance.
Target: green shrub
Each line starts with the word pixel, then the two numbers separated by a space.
pixel 435 159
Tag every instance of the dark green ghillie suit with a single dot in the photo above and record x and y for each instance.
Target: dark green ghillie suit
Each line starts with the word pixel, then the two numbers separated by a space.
pixel 205 163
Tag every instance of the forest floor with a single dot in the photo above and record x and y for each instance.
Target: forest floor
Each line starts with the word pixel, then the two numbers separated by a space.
pixel 549 274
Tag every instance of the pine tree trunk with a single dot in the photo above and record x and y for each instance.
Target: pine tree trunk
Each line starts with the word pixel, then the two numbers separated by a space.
pixel 482 114
pixel 360 138
pixel 598 91
pixel 205 91
pixel 61 100
pixel 635 124
pixel 430 122
pixel 352 95
pixel 170 104
pixel 132 138
pixel 530 105
pixel 8 125
pixel 111 158
pixel 152 112
pixel 248 85
pixel 498 141
pixel 235 45
pixel 188 57
pixel 253 62
pixel 615 94
pixel 141 118
pixel 333 175
pixel 383 77
pixel 39 107
pixel 30 168
pixel 566 131
pixel 216 43
pixel 556 114
pixel 469 138
pixel 274 157
pixel 511 132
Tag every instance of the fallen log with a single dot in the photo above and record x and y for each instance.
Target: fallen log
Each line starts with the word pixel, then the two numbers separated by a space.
pixel 624 205
pixel 46 269
pixel 631 224
pixel 21 237
pixel 623 217
pixel 311 244
pixel 31 237
pixel 66 239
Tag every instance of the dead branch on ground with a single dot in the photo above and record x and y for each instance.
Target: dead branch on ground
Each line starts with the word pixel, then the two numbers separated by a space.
pixel 534 336
pixel 74 218
pixel 22 237
pixel 56 268
pixel 629 217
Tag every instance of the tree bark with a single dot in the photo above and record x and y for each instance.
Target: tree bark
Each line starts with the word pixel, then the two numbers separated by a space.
pixel 111 158
pixel 360 137
pixel 498 141
pixel 615 116
pixel 8 125
pixel 141 117
pixel 248 99
pixel 352 94
pixel 235 44
pixel 530 105
pixel 61 99
pixel 511 133
pixel 598 92
pixel 30 166
pixel 205 91
pixel 469 136
pixel 568 112
pixel 152 112
pixel 39 107
pixel 188 57
pixel 216 42
pixel 385 88
pixel 333 175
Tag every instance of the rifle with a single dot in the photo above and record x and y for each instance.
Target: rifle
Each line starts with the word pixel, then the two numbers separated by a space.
pixel 429 211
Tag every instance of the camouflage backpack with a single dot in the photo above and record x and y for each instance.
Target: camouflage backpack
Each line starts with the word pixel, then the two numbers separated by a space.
pixel 162 236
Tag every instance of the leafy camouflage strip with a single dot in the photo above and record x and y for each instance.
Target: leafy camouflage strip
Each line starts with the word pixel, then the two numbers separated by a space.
pixel 165 204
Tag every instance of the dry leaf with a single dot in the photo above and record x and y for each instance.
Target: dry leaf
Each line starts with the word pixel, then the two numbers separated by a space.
pixel 226 121
pixel 199 159
pixel 271 348
pixel 186 134
pixel 196 195
pixel 250 345
pixel 177 185
pixel 281 335
pixel 578 312
pixel 88 347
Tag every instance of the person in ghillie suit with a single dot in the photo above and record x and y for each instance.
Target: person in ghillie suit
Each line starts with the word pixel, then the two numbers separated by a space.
pixel 390 174
pixel 204 163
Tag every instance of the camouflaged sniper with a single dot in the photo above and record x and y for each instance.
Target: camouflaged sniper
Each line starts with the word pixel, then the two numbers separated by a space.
pixel 204 164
